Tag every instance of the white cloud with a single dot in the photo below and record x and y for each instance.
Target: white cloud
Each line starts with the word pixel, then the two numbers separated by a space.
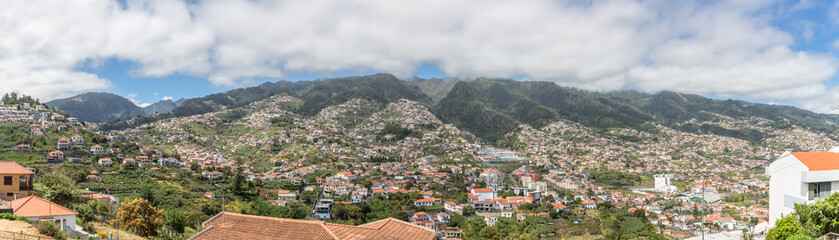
pixel 132 97
pixel 167 98
pixel 726 48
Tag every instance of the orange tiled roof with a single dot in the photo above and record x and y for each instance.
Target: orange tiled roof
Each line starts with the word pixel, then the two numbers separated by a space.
pixel 226 226
pixel 9 167
pixel 818 161
pixel 34 206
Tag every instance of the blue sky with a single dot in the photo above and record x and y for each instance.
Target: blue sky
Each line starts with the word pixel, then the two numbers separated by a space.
pixel 771 51
pixel 147 90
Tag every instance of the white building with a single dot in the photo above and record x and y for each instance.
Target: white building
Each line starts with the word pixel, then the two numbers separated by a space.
pixel 662 183
pixel 801 178
pixel 484 193
pixel 38 209
pixel 96 149
pixel 490 220
pixel 493 178
pixel 214 175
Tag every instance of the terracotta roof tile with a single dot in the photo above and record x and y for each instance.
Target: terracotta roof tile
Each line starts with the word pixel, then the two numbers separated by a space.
pixel 8 167
pixel 227 226
pixel 34 206
pixel 818 161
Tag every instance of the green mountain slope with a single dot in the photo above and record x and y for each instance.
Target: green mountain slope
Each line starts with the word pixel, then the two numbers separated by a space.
pixel 237 97
pixel 97 107
pixel 162 106
pixel 382 88
pixel 468 109
pixel 491 108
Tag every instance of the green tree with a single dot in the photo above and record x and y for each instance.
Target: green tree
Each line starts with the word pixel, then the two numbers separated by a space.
pixel 400 214
pixel 339 211
pixel 785 228
pixel 141 217
pixel 85 212
pixel 489 233
pixel 508 227
pixel 821 217
pixel 367 183
pixel 58 188
pixel 309 197
pixel 632 226
pixel 355 213
pixel 468 211
pixel 175 220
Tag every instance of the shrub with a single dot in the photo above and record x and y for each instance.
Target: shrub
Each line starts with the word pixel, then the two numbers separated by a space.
pixel 9 216
pixel 785 228
pixel 49 229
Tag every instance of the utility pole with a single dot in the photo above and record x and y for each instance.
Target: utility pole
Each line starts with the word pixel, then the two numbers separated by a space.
pixel 119 204
pixel 702 210
pixel 222 202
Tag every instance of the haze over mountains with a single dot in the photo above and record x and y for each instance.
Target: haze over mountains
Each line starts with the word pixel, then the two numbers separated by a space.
pixel 488 108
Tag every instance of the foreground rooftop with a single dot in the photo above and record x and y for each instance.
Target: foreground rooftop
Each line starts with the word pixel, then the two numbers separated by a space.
pixel 227 225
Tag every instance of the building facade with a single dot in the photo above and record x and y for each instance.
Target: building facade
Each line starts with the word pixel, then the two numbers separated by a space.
pixel 17 181
pixel 801 178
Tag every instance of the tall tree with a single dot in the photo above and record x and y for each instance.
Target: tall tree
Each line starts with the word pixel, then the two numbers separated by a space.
pixel 141 217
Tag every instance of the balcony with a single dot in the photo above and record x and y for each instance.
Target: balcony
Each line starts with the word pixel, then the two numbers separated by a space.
pixel 27 188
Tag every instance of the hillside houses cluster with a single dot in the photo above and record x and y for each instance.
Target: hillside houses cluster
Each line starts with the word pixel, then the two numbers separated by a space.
pixel 334 151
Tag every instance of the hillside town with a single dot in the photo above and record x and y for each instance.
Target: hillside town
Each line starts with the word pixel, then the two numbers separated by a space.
pixel 336 163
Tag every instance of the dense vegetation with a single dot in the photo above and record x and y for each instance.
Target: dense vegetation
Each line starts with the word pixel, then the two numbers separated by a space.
pixel 12 134
pixel 397 132
pixel 382 88
pixel 499 103
pixel 808 221
pixel 492 108
pixel 236 98
pixel 97 107
pixel 614 178
pixel 14 98
pixel 470 110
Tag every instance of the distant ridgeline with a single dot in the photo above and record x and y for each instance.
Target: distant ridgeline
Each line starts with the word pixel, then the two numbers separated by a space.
pixel 491 109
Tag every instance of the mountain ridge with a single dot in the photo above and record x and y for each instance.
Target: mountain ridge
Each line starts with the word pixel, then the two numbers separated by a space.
pixel 502 104
pixel 98 107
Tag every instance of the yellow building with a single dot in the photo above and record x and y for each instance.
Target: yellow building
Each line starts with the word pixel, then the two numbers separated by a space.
pixel 15 181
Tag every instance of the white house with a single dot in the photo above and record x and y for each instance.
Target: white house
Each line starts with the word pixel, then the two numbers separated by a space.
pixel 443 217
pixel 107 162
pixel 36 209
pixel 214 175
pixel 427 202
pixel 453 207
pixel 490 220
pixel 357 198
pixel 801 178
pixel 484 193
pixel 96 149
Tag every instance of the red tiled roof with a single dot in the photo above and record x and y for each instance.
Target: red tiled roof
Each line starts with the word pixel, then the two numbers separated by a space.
pixel 8 167
pixel 818 161
pixel 227 226
pixel 34 206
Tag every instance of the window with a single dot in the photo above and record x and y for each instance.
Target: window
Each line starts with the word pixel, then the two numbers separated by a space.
pixel 819 190
pixel 10 194
pixel 824 189
pixel 7 180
